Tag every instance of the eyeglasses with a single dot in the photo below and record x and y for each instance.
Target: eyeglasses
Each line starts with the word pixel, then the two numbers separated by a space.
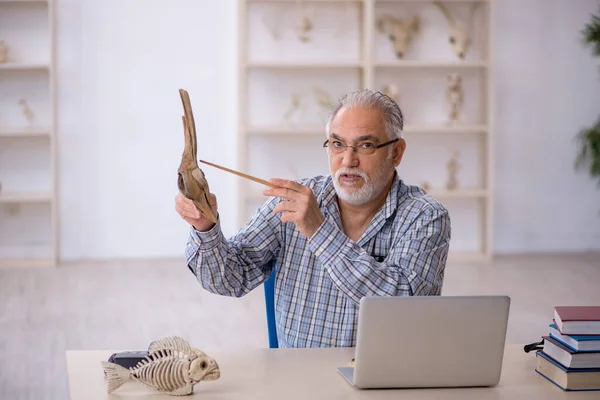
pixel 365 148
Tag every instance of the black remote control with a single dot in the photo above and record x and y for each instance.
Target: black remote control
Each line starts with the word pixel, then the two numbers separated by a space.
pixel 128 359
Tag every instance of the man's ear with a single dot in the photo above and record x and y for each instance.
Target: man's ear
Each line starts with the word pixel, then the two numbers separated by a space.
pixel 399 148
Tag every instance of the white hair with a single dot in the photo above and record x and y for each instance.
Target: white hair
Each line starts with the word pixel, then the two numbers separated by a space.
pixel 365 98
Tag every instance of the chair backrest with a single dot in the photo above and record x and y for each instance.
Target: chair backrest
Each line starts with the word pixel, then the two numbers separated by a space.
pixel 269 289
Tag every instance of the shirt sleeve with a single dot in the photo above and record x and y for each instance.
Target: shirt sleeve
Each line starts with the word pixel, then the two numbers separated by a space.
pixel 235 266
pixel 414 267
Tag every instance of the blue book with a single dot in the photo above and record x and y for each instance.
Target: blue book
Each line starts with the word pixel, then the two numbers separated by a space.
pixel 576 342
pixel 568 357
pixel 568 379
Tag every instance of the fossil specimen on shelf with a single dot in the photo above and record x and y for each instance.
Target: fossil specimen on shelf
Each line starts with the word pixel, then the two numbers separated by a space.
pixel 306 25
pixel 27 112
pixel 295 108
pixel 454 96
pixel 459 36
pixel 3 52
pixel 453 167
pixel 273 22
pixel 399 31
pixel 172 366
pixel 297 105
pixel 324 99
pixel 191 180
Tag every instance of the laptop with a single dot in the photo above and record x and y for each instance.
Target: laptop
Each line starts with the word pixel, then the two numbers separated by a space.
pixel 429 341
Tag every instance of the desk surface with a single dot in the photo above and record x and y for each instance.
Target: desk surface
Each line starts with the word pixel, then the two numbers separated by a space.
pixel 308 374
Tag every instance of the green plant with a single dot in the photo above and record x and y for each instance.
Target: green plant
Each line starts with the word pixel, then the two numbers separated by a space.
pixel 588 139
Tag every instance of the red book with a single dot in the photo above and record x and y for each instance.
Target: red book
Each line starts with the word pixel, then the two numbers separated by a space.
pixel 578 320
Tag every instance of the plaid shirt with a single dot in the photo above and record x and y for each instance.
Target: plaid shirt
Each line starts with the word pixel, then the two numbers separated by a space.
pixel 319 282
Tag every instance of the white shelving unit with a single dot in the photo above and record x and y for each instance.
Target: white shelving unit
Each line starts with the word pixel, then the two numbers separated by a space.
pixel 28 202
pixel 346 52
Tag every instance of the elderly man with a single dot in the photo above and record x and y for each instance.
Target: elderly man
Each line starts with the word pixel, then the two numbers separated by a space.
pixel 360 231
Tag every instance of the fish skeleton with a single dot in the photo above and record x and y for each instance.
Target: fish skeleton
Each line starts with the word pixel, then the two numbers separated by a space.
pixel 191 180
pixel 172 366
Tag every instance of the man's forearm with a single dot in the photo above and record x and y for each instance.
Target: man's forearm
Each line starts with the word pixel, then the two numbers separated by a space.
pixel 229 268
pixel 235 266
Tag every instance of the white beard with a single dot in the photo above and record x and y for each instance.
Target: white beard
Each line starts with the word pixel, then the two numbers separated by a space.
pixel 369 190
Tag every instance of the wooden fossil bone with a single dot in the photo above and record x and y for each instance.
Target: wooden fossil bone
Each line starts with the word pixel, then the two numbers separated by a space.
pixel 191 180
pixel 172 366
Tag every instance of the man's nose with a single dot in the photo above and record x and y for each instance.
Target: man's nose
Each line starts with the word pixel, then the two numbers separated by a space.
pixel 350 157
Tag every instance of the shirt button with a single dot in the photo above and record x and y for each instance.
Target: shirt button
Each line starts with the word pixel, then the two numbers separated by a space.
pixel 333 341
pixel 339 302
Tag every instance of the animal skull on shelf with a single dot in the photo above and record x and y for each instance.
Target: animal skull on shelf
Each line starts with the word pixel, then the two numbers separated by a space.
pixel 459 36
pixel 399 31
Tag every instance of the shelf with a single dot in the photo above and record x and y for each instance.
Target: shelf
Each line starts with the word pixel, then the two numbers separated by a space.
pixel 273 76
pixel 299 130
pixel 285 130
pixel 24 132
pixel 362 1
pixel 458 194
pixel 25 197
pixel 430 64
pixel 460 257
pixel 30 233
pixel 303 64
pixel 24 1
pixel 312 1
pixel 24 67
pixel 20 263
pixel 445 129
pixel 429 1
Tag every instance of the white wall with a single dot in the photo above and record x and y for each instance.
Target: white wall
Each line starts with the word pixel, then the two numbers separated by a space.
pixel 121 65
pixel 547 89
pixel 122 62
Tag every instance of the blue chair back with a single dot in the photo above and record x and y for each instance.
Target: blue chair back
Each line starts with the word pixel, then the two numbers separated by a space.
pixel 269 288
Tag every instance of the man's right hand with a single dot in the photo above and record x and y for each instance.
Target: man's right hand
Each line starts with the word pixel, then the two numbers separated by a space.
pixel 188 211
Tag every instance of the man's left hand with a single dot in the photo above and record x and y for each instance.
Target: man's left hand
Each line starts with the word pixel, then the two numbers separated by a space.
pixel 301 206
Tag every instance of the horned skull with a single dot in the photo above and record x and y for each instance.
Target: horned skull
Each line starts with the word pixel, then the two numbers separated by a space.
pixel 400 32
pixel 459 36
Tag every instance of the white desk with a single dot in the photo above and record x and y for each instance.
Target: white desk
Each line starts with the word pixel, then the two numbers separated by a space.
pixel 308 374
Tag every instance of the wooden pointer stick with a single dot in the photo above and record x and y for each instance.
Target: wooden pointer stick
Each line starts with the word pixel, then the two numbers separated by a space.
pixel 258 180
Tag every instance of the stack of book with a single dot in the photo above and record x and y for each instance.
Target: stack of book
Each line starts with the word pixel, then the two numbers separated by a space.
pixel 571 355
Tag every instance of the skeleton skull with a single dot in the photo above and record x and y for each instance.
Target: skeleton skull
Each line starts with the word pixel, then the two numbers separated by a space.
pixel 458 36
pixel 400 32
